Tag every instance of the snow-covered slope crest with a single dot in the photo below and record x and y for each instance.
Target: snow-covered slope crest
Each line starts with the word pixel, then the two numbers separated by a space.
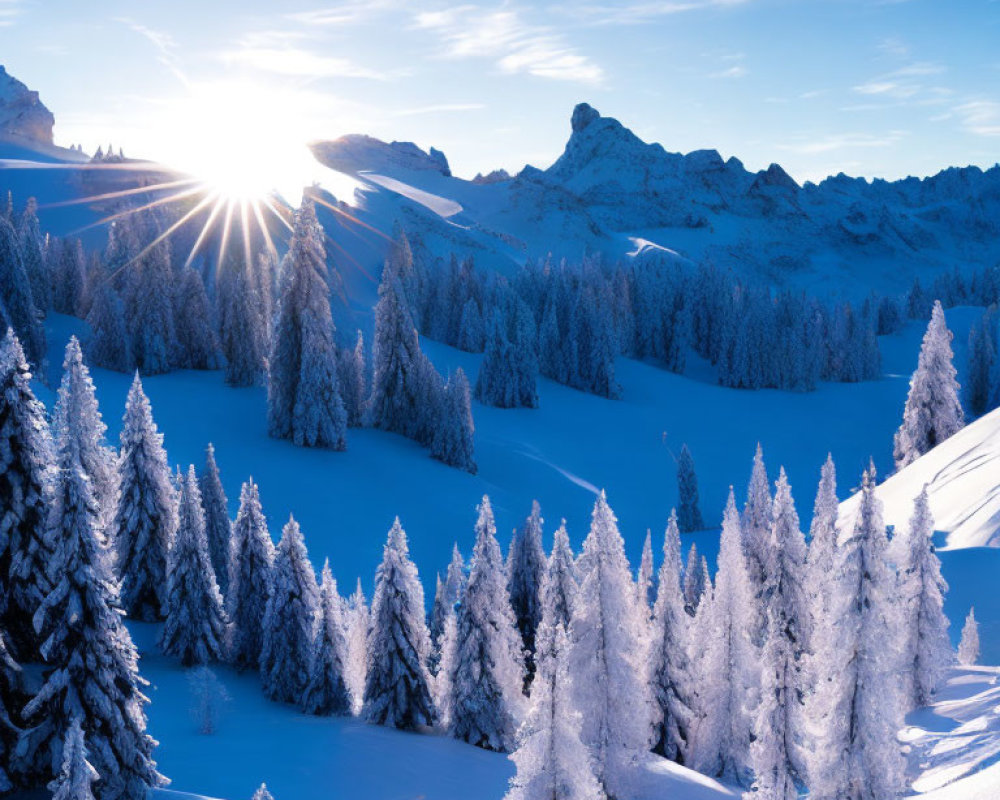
pixel 22 114
pixel 962 475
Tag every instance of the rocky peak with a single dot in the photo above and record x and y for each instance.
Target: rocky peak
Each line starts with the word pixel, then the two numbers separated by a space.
pixel 22 114
pixel 583 115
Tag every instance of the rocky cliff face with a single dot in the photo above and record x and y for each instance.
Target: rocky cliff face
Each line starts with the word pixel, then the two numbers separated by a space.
pixel 22 114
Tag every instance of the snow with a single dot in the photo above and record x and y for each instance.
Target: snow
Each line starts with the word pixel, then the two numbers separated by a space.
pixel 441 206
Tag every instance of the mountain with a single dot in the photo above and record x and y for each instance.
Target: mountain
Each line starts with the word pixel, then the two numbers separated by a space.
pixel 22 114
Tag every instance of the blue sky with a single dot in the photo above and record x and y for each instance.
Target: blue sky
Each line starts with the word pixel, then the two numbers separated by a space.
pixel 870 88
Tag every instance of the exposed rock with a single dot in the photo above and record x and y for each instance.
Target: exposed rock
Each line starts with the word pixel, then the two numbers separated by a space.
pixel 22 114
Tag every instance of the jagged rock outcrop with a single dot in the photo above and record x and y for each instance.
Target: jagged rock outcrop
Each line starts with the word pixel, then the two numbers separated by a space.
pixel 22 113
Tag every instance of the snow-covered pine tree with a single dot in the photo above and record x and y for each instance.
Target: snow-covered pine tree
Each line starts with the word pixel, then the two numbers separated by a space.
pixel 526 566
pixel 218 528
pixel 397 684
pixel 17 306
pixel 70 277
pixel 77 399
pixel 552 762
pixel 756 523
pixel 726 662
pixel 108 345
pixel 326 692
pixel 26 472
pixel 356 667
pixel 471 335
pixel 289 619
pixel 562 568
pixel 353 382
pixel 77 776
pixel 197 344
pixel 968 646
pixel 9 706
pixel 195 626
pixel 243 328
pixel 644 585
pixel 303 397
pixel 778 722
pixel 446 600
pixel 688 509
pixel 452 438
pixel 607 656
pixel 487 676
pixel 262 793
pixel 145 516
pixel 249 580
pixel 149 312
pixel 822 556
pixel 857 706
pixel 32 252
pixel 980 364
pixel 933 411
pixel 670 666
pixel 92 666
pixel 694 581
pixel 927 650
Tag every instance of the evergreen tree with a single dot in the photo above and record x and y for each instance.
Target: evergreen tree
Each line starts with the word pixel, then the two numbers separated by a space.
pixel 447 598
pixel 69 278
pixel 149 312
pixel 326 692
pixel 353 383
pixel 726 663
pixel 968 646
pixel 756 524
pixel 607 656
pixel 471 335
pixel 77 776
pixel 197 344
pixel 508 372
pixel 488 670
pixel 670 666
pixel 927 651
pixel 857 707
pixel 243 328
pixel 694 581
pixel 218 528
pixel 356 667
pixel 249 580
pixel 92 674
pixel 17 306
pixel 526 566
pixel 32 253
pixel 822 556
pixel 289 620
pixel 145 517
pixel 195 626
pixel 304 402
pixel 980 365
pixel 552 762
pixel 932 412
pixel 262 793
pixel 452 442
pixel 397 684
pixel 9 732
pixel 688 511
pixel 645 591
pixel 26 462
pixel 562 569
pixel 109 345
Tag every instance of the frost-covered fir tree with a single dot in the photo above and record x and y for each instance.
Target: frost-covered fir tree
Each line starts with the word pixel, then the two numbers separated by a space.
pixel 195 626
pixel 243 327
pixel 933 411
pixel 694 581
pixel 326 692
pixel 486 679
pixel 980 364
pixel 92 670
pixel 26 462
pixel 69 277
pixel 262 793
pixel 471 335
pixel 778 722
pixel 303 397
pixel 249 580
pixel 526 566
pixel 218 528
pixel 756 524
pixel 145 516
pixel 448 597
pixel 17 306
pixel 353 382
pixel 552 762
pixel 562 569
pixel 77 776
pixel 670 671
pixel 32 252
pixel 149 312
pixel 108 345
pixel 398 684
pixel 607 656
pixel 822 555
pixel 726 663
pixel 286 652
pixel 77 400
pixel 688 509
pixel 857 707
pixel 9 706
pixel 453 443
pixel 927 650
pixel 356 667
pixel 197 343
pixel 968 646
pixel 645 591
pixel 505 379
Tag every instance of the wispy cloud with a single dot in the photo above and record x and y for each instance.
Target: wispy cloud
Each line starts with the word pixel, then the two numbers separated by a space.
pixel 636 13
pixel 162 42
pixel 981 117
pixel 439 109
pixel 10 10
pixel 349 12
pixel 842 141
pixel 515 45
pixel 298 62
pixel 735 71
pixel 906 84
